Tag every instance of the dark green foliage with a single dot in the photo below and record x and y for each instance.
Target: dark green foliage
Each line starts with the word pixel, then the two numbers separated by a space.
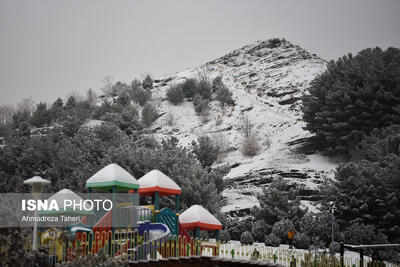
pixel 318 227
pixel 361 234
pixel 217 83
pixel 123 99
pixel 281 229
pixel 277 202
pixel 13 252
pixel 272 240
pixel 301 241
pixel 71 103
pixel 149 114
pixel 205 150
pixel 175 94
pixel 246 238
pixel 147 82
pixel 57 109
pixel 259 230
pixel 368 191
pixel 355 95
pixel 189 87
pixel 41 116
pixel 138 94
pixel 237 227
pixel 200 104
pixel 204 88
pixel 224 96
pixel 225 236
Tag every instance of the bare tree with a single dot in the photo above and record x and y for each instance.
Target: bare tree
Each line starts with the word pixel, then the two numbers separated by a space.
pixel 220 141
pixel 246 126
pixel 6 113
pixel 26 105
pixel 77 95
pixel 251 145
pixel 91 97
pixel 108 83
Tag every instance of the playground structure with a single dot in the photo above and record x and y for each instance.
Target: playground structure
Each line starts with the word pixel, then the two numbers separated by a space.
pixel 136 233
pixel 128 230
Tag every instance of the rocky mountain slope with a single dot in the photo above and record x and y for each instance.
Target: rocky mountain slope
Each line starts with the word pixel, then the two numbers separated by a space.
pixel 267 79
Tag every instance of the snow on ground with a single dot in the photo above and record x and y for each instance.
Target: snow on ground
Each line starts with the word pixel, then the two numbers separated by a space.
pixel 266 78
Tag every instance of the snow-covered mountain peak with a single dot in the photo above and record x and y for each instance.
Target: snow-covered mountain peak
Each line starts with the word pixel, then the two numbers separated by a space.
pixel 267 79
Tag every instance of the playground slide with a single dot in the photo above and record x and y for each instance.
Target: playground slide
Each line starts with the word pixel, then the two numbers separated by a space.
pixel 157 235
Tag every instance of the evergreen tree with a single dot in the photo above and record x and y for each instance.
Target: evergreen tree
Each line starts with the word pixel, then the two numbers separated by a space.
pixel 368 191
pixel 205 151
pixel 41 116
pixel 149 114
pixel 355 95
pixel 147 82
pixel 175 94
pixel 71 103
pixel 279 202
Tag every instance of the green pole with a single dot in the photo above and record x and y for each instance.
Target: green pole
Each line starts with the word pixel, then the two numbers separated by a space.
pixel 177 202
pixel 156 205
pixel 217 236
pixel 114 209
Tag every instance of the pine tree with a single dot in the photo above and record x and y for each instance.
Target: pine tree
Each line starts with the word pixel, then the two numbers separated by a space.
pixel 205 150
pixel 368 191
pixel 278 202
pixel 149 114
pixel 355 95
pixel 147 82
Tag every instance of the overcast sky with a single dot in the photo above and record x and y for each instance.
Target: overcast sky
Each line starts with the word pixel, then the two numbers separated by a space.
pixel 49 48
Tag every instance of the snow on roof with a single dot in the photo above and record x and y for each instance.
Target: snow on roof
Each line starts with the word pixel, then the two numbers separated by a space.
pixel 112 175
pixel 76 207
pixel 197 216
pixel 156 181
pixel 36 180
pixel 63 194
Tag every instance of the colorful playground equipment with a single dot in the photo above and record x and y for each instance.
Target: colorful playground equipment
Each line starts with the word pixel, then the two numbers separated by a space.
pixel 129 230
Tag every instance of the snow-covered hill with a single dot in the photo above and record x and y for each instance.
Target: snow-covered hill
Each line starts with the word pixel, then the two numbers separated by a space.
pixel 267 79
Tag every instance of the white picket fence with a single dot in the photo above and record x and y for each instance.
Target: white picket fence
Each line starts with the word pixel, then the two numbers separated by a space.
pixel 284 256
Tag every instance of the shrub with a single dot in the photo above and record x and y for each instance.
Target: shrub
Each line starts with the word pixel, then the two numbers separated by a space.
pixel 225 236
pixel 123 99
pixel 360 234
pixel 141 96
pixel 147 82
pixel 281 228
pixel 205 150
pixel 246 238
pixel 251 146
pixel 272 240
pixel 149 114
pixel 217 83
pixel 189 88
pixel 259 230
pixel 204 89
pixel 200 104
pixel 224 96
pixel 175 94
pixel 301 241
